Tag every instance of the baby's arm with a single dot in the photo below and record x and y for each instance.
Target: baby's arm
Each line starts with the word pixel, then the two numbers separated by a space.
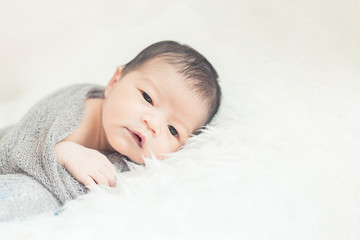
pixel 87 165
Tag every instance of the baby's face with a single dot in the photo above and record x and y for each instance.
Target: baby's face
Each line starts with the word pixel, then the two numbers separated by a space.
pixel 150 110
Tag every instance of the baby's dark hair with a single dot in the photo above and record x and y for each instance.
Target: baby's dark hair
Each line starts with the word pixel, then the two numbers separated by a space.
pixel 189 63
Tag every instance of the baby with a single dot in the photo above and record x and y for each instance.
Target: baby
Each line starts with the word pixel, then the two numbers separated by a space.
pixel 167 93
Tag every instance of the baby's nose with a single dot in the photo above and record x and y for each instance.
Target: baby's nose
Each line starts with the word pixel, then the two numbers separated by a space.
pixel 153 124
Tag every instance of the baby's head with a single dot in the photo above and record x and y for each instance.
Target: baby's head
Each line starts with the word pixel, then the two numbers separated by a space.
pixel 159 99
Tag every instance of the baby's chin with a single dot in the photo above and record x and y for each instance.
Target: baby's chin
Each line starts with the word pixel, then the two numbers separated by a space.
pixel 138 161
pixel 141 159
pixel 136 158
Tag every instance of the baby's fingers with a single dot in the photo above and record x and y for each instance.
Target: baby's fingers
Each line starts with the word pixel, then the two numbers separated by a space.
pixel 109 173
pixel 87 181
pixel 99 178
pixel 111 166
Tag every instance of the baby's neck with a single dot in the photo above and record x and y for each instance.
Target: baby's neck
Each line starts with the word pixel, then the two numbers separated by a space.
pixel 90 132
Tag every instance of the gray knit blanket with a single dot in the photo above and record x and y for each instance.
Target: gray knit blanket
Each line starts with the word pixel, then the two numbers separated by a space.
pixel 32 181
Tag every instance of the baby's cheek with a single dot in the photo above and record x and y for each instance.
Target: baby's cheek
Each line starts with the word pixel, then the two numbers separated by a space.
pixel 160 157
pixel 171 148
pixel 162 148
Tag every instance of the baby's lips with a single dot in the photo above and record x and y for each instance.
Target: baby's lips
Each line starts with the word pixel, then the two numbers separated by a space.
pixel 142 137
pixel 138 137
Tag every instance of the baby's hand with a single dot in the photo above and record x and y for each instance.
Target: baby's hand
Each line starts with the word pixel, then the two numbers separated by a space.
pixel 87 165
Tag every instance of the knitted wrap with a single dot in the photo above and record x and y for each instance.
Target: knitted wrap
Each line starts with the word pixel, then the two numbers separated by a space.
pixel 27 156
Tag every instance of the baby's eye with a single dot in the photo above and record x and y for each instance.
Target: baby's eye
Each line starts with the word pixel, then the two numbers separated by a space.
pixel 173 131
pixel 147 98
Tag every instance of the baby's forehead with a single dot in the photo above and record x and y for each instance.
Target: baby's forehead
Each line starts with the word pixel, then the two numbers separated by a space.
pixel 162 72
pixel 170 69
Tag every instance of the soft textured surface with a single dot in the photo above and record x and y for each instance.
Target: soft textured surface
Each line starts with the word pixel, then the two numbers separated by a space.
pixel 281 160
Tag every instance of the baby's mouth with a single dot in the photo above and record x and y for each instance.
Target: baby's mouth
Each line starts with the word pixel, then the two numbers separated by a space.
pixel 138 137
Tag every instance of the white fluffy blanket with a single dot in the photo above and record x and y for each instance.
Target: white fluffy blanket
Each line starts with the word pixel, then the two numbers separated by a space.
pixel 281 160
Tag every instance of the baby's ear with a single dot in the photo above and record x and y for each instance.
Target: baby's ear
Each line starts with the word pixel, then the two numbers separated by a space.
pixel 115 78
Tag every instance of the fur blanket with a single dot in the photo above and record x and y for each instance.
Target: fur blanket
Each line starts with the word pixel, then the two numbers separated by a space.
pixel 280 161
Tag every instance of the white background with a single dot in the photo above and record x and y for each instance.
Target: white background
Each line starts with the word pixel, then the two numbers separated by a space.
pixel 47 44
pixel 283 156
